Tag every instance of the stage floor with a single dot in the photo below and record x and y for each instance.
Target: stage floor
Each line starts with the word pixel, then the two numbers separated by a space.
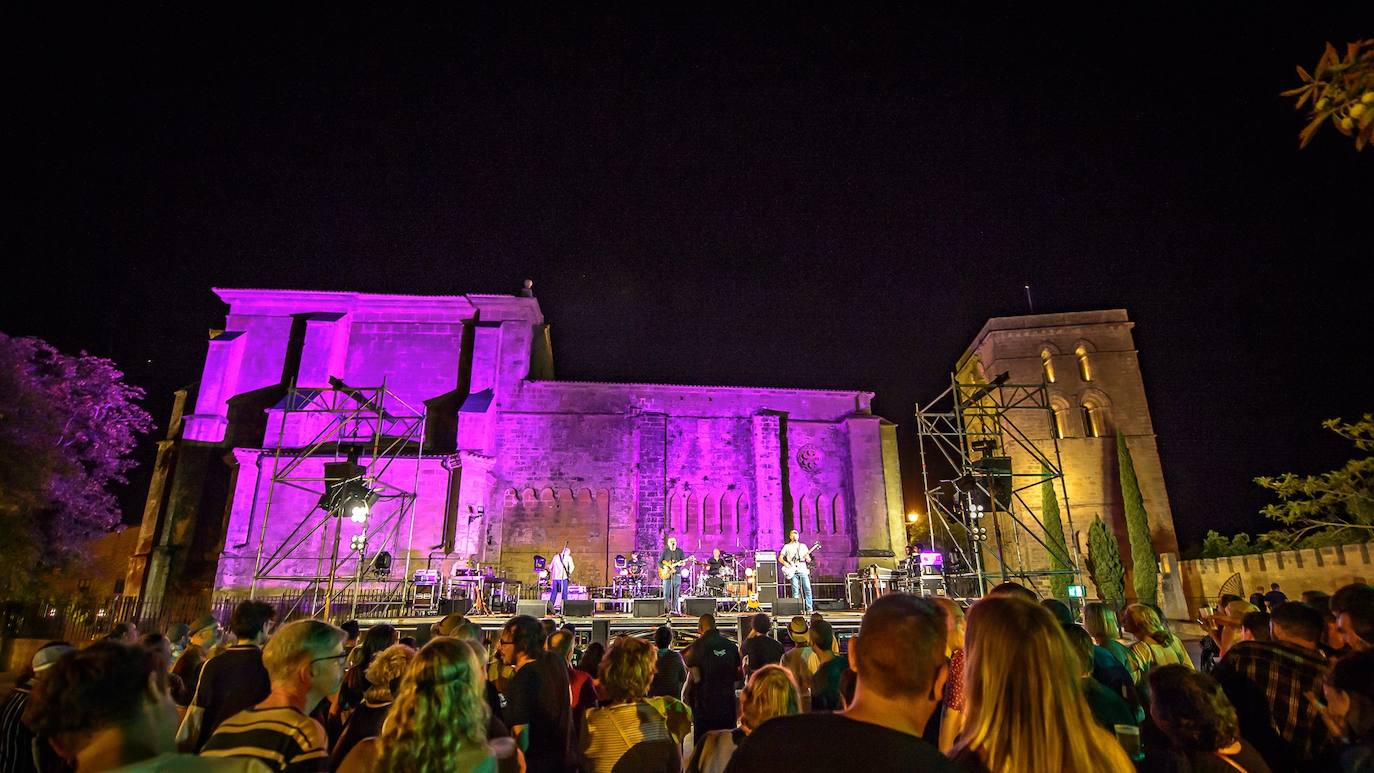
pixel 845 623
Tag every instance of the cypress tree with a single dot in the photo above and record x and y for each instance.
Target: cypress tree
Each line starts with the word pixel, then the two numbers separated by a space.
pixel 1054 538
pixel 1144 562
pixel 1104 562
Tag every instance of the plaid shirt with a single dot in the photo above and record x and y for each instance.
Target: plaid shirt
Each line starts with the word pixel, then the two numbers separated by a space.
pixel 1281 675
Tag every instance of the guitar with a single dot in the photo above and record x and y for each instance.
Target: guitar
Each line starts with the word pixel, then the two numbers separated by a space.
pixel 667 569
pixel 790 569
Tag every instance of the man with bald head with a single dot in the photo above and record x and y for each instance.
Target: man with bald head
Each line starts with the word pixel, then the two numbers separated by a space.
pixel 899 656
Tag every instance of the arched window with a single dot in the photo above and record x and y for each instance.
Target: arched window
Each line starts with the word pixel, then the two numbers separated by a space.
pixel 1084 372
pixel 1047 365
pixel 1057 425
pixel 1092 420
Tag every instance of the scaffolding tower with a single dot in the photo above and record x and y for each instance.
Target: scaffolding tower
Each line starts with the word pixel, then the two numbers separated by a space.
pixel 343 423
pixel 979 431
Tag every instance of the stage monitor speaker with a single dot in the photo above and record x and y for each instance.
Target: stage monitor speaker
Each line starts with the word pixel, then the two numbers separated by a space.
pixel 531 607
pixel 766 574
pixel 460 605
pixel 699 607
pixel 786 608
pixel 648 608
pixel 832 605
pixel 601 631
pixel 579 608
pixel 768 593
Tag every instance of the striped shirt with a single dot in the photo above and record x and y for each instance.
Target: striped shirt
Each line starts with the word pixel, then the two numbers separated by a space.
pixel 638 731
pixel 16 740
pixel 285 739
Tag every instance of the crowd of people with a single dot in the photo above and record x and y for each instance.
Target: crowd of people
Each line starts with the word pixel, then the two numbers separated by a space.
pixel 1008 683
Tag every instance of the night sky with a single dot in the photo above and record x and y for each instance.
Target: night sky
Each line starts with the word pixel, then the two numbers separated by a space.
pixel 831 199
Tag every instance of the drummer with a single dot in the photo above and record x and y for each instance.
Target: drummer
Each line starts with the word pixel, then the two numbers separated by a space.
pixel 714 564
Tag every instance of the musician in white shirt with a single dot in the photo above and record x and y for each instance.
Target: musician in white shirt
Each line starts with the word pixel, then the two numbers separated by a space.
pixel 795 558
pixel 560 572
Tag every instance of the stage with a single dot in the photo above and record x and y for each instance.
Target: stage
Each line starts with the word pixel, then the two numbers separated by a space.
pixel 604 625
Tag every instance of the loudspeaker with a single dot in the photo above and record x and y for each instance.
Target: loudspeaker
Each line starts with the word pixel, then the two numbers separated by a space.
pixel 743 625
pixel 830 604
pixel 768 593
pixel 787 608
pixel 601 631
pixel 579 608
pixel 531 607
pixel 766 573
pixel 699 607
pixel 460 605
pixel 648 608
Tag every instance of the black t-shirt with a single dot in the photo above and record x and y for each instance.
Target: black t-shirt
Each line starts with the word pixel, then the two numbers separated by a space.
pixel 668 556
pixel 760 651
pixel 230 682
pixel 713 566
pixel 825 685
pixel 827 743
pixel 539 696
pixel 717 660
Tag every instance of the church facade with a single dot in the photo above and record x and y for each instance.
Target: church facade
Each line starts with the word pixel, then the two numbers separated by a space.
pixel 481 456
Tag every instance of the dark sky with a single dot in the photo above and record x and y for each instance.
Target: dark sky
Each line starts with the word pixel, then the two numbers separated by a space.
pixel 829 199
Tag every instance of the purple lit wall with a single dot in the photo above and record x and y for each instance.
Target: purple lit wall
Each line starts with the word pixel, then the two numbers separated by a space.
pixel 534 464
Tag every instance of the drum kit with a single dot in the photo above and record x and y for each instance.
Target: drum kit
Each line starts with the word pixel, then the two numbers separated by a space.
pixel 637 577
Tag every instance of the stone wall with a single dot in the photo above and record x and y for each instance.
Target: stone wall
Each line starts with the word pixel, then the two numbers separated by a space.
pixel 1323 569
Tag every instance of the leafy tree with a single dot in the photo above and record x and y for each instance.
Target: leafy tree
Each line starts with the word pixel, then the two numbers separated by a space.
pixel 67 426
pixel 1054 538
pixel 1339 89
pixel 1144 562
pixel 1334 507
pixel 1104 562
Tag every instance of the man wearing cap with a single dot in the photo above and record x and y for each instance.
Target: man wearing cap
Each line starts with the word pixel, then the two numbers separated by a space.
pixel 17 747
pixel 801 660
pixel 202 636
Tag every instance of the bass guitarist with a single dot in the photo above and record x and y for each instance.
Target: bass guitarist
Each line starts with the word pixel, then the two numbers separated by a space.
pixel 795 558
pixel 670 561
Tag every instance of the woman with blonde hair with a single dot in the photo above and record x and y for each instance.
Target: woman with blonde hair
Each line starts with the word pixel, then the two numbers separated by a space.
pixel 1024 709
pixel 1154 644
pixel 629 732
pixel 771 692
pixel 438 721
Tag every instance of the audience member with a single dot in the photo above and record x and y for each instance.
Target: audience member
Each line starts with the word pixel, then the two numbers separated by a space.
pixel 1015 590
pixel 438 720
pixel 233 680
pixel 449 625
pixel 801 660
pixel 770 692
pixel 377 639
pixel 759 648
pixel 1255 626
pixel 1353 606
pixel 951 716
pixel 1025 708
pixel 629 732
pixel 670 672
pixel 1060 610
pixel 1229 622
pixel 161 646
pixel 1108 708
pixel 1349 692
pixel 1192 712
pixel 1268 681
pixel 589 661
pixel 178 634
pixel 900 665
pixel 713 664
pixel 126 632
pixel 1274 597
pixel 560 643
pixel 107 708
pixel 17 749
pixel 201 636
pixel 1154 644
pixel 383 678
pixel 351 630
pixel 1257 598
pixel 538 699
pixel 305 661
pixel 825 682
pixel 471 633
pixel 1111 659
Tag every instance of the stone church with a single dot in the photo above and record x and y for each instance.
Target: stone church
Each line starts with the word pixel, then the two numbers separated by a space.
pixel 480 455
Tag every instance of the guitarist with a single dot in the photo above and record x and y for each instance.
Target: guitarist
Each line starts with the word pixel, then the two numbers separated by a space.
pixel 561 572
pixel 671 559
pixel 795 558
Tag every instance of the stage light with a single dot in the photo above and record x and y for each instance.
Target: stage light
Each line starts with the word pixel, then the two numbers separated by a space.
pixel 913 517
pixel 540 562
pixel 749 572
pixel 357 512
pixel 620 562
